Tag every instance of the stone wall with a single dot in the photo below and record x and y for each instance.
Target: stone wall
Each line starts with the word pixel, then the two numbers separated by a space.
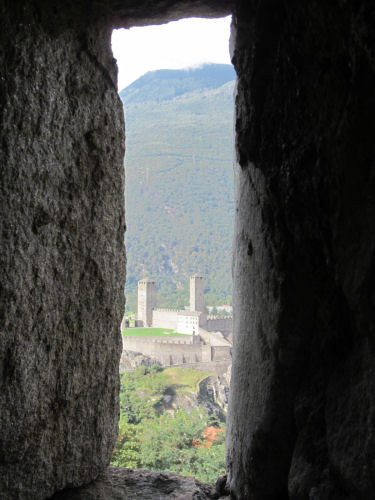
pixel 206 354
pixel 302 402
pixel 217 324
pixel 176 350
pixel 62 255
pixel 213 338
pixel 216 367
pixel 220 353
pixel 165 318
pixel 167 351
pixel 146 301
pixel 141 341
pixel 197 293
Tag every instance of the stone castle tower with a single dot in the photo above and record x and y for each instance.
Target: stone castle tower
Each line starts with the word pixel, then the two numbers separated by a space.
pixel 197 293
pixel 146 301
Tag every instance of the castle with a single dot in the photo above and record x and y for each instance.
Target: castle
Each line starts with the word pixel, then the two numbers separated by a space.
pixel 207 337
pixel 182 321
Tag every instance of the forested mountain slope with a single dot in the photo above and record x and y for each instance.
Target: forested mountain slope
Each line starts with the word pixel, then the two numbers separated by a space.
pixel 179 181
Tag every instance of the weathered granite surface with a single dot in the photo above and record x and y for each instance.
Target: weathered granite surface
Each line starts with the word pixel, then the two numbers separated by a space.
pixel 128 484
pixel 134 13
pixel 62 255
pixel 302 404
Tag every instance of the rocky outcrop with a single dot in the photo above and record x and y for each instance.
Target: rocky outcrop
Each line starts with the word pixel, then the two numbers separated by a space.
pixel 213 394
pixel 130 360
pixel 117 483
pixel 302 397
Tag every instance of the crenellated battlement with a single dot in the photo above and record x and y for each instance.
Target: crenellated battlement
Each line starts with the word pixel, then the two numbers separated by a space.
pixel 230 318
pixel 159 309
pixel 176 350
pixel 161 340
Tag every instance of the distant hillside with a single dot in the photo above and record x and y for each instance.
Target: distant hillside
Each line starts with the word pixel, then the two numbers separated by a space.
pixel 165 84
pixel 179 180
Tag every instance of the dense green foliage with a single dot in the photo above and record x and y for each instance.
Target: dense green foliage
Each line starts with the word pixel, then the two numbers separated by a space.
pixel 179 181
pixel 152 437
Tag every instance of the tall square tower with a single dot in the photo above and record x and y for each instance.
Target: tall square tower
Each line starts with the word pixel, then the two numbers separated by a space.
pixel 146 301
pixel 197 293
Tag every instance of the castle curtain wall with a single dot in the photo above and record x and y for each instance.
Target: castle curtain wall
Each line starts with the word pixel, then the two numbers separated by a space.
pixel 224 325
pixel 165 318
pixel 166 351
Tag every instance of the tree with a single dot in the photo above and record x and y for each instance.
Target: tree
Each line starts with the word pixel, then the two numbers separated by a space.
pixel 127 450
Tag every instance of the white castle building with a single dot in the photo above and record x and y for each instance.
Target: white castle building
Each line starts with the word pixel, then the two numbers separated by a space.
pixel 188 322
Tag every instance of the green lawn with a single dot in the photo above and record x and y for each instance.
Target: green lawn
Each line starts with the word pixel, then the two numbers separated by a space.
pixel 184 379
pixel 152 332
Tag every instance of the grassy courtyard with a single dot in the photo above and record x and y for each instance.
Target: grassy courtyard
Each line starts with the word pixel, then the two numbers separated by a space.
pixel 184 380
pixel 152 332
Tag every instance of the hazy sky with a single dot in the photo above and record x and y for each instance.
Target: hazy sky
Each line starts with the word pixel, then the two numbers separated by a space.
pixel 180 44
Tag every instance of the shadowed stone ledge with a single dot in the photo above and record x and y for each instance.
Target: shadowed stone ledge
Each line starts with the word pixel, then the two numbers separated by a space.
pixel 118 484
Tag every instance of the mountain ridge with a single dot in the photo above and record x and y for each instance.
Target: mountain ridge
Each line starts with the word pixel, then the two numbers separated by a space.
pixel 180 81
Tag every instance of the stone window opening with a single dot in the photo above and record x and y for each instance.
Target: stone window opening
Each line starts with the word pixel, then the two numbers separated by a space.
pixel 188 320
pixel 302 403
